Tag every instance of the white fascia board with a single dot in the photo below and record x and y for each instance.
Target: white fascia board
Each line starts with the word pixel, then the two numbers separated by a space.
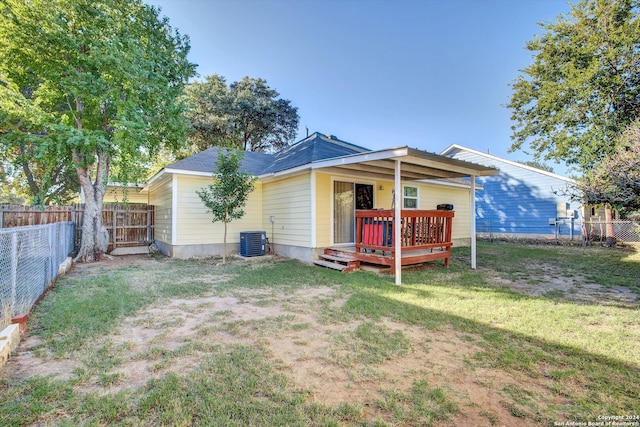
pixel 188 172
pixel 509 162
pixel 154 177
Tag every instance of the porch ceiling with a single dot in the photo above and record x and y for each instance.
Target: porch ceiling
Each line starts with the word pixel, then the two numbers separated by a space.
pixel 416 165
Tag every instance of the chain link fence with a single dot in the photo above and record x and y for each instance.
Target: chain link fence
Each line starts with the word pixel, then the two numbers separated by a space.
pixel 623 230
pixel 594 229
pixel 30 259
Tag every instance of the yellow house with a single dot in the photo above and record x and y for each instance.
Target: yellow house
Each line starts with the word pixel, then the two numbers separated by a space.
pixel 120 193
pixel 306 196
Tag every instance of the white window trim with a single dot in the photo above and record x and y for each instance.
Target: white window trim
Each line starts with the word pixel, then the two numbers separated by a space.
pixel 417 198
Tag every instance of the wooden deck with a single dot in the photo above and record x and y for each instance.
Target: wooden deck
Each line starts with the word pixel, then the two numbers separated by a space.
pixel 425 237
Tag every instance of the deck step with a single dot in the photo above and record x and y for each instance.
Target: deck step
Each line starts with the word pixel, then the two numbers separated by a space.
pixel 338 261
pixel 329 264
pixel 337 258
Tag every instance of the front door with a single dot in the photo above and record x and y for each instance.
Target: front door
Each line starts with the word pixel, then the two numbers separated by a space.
pixel 347 197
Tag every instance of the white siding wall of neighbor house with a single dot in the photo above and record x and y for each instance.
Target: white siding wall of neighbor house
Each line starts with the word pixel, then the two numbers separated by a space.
pixel 288 201
pixel 194 222
pixel 160 197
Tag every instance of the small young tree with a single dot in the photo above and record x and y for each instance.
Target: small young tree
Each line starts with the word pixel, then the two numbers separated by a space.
pixel 226 197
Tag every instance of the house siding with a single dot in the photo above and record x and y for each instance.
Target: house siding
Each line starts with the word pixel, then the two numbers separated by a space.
pixel 289 202
pixel 324 227
pixel 519 201
pixel 115 194
pixel 433 195
pixel 194 222
pixel 430 195
pixel 160 197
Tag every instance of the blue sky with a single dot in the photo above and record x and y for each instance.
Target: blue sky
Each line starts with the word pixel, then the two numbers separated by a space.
pixel 380 74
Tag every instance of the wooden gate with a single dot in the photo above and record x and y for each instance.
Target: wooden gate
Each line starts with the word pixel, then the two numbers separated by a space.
pixel 128 225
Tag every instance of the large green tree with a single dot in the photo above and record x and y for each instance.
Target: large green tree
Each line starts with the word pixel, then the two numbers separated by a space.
pixel 95 83
pixel 247 114
pixel 583 88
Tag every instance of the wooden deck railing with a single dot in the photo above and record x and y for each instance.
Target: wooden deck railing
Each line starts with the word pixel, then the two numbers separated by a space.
pixel 420 230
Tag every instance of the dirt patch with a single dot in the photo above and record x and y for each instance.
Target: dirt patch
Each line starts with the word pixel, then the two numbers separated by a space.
pixel 109 263
pixel 576 288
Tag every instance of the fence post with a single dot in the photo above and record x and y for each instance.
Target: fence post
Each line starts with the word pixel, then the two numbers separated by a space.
pixel 148 225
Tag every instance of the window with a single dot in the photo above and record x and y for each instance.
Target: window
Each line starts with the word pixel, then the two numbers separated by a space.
pixel 410 198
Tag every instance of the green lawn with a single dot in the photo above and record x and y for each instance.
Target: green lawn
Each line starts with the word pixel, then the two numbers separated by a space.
pixel 537 335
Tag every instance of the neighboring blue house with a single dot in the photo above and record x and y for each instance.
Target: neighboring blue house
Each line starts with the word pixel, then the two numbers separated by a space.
pixel 520 201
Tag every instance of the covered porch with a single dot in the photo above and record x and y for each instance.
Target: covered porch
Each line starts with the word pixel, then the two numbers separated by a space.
pixel 396 237
pixel 425 235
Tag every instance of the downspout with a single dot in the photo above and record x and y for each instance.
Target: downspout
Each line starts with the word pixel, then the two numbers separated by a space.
pixel 397 226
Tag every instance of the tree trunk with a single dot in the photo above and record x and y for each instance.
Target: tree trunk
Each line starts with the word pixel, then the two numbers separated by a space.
pixel 608 217
pixel 224 253
pixel 93 244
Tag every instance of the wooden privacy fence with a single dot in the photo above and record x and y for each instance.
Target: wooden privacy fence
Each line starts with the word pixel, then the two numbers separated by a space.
pixel 127 224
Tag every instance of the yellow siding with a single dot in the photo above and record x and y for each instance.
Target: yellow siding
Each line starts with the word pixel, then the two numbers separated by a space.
pixel 289 202
pixel 384 195
pixel 194 225
pixel 433 195
pixel 116 194
pixel 160 197
pixel 430 196
pixel 324 228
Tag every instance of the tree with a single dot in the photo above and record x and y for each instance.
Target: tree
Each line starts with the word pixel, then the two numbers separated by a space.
pixel 226 197
pixel 583 88
pixel 92 84
pixel 616 179
pixel 42 182
pixel 247 114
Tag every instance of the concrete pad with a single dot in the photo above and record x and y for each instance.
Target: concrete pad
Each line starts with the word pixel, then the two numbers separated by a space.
pixel 130 250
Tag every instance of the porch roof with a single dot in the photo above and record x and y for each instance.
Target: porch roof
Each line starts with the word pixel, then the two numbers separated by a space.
pixel 416 165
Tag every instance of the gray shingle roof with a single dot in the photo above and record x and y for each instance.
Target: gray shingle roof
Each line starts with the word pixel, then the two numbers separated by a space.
pixel 313 148
pixel 205 161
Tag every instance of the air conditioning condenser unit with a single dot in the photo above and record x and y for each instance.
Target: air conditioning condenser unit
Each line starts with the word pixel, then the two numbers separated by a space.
pixel 252 243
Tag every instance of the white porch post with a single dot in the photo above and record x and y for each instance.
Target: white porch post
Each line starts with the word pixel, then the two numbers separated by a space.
pixel 397 223
pixel 472 204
